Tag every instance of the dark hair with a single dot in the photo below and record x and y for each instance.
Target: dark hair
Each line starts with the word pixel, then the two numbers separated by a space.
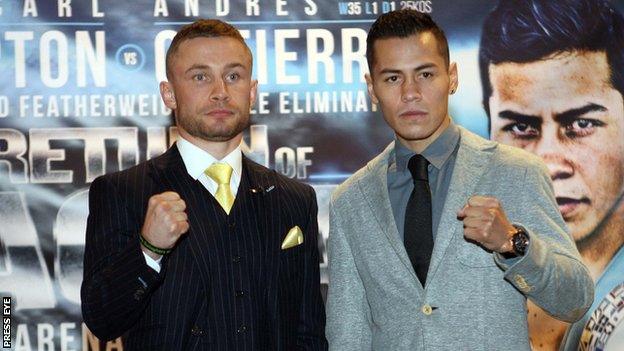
pixel 402 24
pixel 209 28
pixel 523 31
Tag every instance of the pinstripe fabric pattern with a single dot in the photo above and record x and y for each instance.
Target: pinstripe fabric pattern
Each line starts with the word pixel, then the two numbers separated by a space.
pixel 226 286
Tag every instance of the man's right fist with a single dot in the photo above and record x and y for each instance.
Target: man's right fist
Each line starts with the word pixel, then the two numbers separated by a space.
pixel 165 221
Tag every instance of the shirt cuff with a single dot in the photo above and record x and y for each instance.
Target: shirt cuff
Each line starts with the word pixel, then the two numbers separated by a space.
pixel 152 263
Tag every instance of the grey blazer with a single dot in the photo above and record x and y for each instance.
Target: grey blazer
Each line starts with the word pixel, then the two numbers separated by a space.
pixel 473 299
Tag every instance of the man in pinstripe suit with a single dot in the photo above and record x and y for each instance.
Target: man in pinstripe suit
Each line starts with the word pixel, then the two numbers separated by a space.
pixel 201 248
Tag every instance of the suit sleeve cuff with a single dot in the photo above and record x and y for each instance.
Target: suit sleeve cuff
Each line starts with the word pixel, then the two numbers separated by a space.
pixel 131 265
pixel 520 271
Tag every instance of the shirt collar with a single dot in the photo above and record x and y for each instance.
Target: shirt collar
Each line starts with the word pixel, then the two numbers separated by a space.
pixel 197 160
pixel 437 153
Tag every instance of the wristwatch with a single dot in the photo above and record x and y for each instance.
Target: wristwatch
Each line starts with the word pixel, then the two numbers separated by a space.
pixel 519 241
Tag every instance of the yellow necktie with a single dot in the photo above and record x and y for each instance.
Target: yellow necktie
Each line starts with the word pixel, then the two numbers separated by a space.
pixel 221 173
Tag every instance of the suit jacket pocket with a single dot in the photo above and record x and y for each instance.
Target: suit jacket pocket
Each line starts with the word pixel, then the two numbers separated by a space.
pixel 291 261
pixel 472 255
pixel 291 253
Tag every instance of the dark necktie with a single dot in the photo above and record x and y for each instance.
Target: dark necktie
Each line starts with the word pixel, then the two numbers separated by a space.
pixel 417 233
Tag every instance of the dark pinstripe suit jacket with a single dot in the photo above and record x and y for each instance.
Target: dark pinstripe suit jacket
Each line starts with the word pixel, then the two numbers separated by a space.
pixel 179 308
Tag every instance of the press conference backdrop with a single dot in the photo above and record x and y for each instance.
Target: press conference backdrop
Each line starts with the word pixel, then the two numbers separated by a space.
pixel 79 98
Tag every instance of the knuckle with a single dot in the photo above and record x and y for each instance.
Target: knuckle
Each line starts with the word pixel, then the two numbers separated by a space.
pixel 172 227
pixel 164 205
pixel 153 201
pixel 182 228
pixel 157 202
pixel 487 226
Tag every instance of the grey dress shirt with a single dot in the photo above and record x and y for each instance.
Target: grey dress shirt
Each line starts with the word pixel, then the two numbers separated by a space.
pixel 441 155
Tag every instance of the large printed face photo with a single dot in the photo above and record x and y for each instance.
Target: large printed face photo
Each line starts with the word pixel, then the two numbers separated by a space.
pixel 551 80
pixel 564 109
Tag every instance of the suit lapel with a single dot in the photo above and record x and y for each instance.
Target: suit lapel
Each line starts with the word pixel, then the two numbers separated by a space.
pixel 263 191
pixel 473 158
pixel 374 188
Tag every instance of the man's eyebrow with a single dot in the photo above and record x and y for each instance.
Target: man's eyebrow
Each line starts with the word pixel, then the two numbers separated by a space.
pixel 198 66
pixel 571 114
pixel 418 68
pixel 519 117
pixel 389 71
pixel 234 65
pixel 425 66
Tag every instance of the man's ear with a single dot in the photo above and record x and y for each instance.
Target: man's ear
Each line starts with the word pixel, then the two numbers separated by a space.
pixel 371 90
pixel 454 79
pixel 253 93
pixel 167 94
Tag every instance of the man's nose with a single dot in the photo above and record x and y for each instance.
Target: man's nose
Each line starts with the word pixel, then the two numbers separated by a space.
pixel 219 91
pixel 556 156
pixel 410 91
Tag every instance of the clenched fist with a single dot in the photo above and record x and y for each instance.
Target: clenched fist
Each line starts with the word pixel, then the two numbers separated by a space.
pixel 165 221
pixel 486 223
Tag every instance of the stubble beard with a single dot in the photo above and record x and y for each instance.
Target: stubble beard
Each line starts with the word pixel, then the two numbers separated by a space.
pixel 421 133
pixel 217 132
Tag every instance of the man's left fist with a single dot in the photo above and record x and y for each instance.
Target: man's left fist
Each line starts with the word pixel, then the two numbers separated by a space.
pixel 486 223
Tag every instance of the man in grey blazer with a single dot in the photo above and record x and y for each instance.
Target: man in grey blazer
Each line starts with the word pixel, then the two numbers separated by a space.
pixel 439 241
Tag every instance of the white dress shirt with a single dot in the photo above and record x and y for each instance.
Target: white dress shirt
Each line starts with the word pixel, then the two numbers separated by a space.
pixel 196 161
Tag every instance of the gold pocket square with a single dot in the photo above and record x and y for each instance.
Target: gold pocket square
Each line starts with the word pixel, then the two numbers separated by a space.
pixel 293 238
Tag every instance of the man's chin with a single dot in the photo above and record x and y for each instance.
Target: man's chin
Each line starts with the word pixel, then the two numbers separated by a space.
pixel 222 134
pixel 219 137
pixel 585 236
pixel 416 135
pixel 579 233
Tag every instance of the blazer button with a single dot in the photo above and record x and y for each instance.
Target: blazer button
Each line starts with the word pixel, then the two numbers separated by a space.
pixel 427 310
pixel 242 329
pixel 197 331
pixel 138 294
pixel 239 293
pixel 236 259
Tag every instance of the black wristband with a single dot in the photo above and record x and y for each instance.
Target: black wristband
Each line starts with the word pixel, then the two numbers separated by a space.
pixel 152 248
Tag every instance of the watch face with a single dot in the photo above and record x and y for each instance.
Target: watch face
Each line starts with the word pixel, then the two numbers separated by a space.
pixel 520 242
